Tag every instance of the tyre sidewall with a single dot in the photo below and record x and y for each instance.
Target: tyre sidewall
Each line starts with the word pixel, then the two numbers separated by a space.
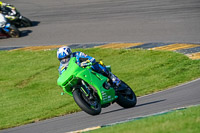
pixel 26 22
pixel 15 30
pixel 124 102
pixel 83 104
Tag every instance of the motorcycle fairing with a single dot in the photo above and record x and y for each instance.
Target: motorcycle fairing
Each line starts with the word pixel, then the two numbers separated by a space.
pixel 74 73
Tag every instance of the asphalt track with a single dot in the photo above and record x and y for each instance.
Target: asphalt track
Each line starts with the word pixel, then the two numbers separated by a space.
pixel 89 21
pixel 95 21
pixel 180 96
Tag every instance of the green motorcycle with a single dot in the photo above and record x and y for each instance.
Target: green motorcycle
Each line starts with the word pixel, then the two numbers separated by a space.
pixel 93 91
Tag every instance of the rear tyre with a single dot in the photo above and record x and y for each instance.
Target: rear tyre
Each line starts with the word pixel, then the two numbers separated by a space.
pixel 92 107
pixel 14 32
pixel 126 97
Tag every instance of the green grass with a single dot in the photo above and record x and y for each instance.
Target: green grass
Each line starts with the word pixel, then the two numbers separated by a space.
pixel 180 121
pixel 28 81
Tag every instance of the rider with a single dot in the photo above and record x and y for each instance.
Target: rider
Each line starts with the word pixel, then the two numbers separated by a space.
pixel 8 10
pixel 2 21
pixel 64 54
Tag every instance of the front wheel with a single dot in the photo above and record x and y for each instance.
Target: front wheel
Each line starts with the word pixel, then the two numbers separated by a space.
pixel 126 96
pixel 25 22
pixel 92 107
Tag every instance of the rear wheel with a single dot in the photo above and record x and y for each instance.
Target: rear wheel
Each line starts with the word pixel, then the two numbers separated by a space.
pixel 126 96
pixel 90 106
pixel 14 32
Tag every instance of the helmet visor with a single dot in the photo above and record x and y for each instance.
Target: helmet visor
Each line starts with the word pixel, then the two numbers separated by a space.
pixel 65 60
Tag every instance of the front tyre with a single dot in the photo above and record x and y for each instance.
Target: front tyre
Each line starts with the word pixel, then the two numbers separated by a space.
pixel 25 22
pixel 126 96
pixel 92 107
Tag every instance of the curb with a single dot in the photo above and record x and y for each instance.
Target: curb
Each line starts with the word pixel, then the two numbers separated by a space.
pixel 191 50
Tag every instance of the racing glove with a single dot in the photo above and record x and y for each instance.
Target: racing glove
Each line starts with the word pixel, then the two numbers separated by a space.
pixel 85 63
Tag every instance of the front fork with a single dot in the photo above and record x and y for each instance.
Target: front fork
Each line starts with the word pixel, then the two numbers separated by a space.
pixel 85 89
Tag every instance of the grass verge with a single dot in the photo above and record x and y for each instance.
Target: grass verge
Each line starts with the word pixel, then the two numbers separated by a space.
pixel 29 93
pixel 179 121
